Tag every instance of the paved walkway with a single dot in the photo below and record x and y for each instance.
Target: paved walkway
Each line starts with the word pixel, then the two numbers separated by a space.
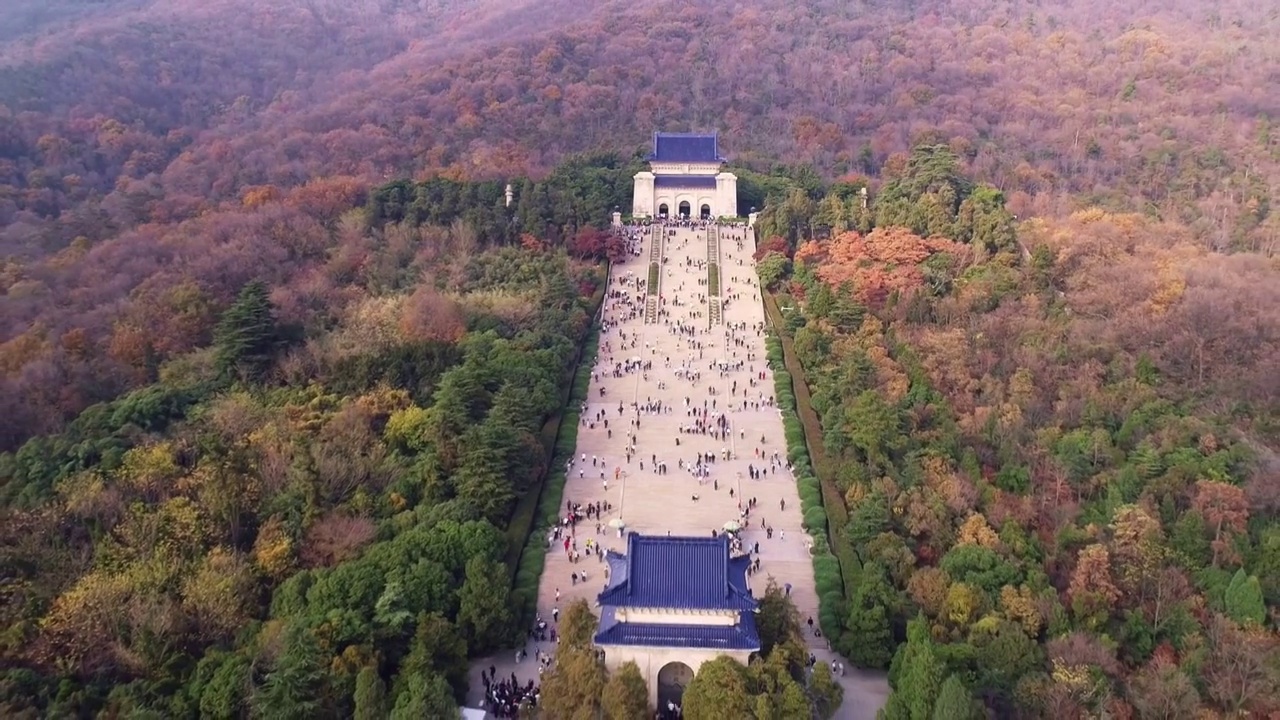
pixel 684 349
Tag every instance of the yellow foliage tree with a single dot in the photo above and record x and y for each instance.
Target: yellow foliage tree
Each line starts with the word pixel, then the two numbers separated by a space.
pixel 149 470
pixel 273 549
pixel 964 603
pixel 976 531
pixel 1019 606
pixel 219 595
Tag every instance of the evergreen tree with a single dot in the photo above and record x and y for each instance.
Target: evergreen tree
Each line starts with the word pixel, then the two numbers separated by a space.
pixel 484 605
pixel 247 336
pixel 1243 599
pixel 955 702
pixel 370 697
pixel 437 648
pixel 295 686
pixel 825 694
pixel 425 696
pixel 867 637
pixel 919 677
pixel 626 697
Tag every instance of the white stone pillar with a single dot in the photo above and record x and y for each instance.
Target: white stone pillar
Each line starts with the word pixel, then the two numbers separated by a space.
pixel 617 219
pixel 642 198
pixel 726 195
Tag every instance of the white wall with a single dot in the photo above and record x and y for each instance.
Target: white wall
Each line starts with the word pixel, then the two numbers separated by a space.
pixel 652 659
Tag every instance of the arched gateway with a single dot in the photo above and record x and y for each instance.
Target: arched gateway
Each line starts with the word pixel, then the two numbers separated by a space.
pixel 673 678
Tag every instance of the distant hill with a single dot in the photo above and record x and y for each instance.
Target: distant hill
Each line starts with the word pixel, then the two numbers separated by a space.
pixel 121 121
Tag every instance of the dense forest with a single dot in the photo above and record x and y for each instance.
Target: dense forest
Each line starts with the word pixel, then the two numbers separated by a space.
pixel 277 355
pixel 136 143
pixel 319 508
pixel 1053 450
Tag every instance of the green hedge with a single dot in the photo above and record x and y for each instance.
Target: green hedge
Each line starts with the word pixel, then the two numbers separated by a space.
pixel 713 279
pixel 826 568
pixel 533 558
pixel 654 273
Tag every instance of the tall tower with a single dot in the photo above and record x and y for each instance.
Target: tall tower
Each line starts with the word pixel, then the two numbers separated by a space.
pixel 509 194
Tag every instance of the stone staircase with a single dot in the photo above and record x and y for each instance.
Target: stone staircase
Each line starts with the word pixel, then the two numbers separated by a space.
pixel 715 311
pixel 656 238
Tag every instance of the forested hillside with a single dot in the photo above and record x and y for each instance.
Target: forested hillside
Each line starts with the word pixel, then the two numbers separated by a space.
pixel 275 355
pixel 130 137
pixel 1056 449
pixel 317 510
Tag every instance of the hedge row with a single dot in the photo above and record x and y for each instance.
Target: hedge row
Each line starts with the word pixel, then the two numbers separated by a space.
pixel 826 568
pixel 533 559
pixel 654 272
pixel 713 279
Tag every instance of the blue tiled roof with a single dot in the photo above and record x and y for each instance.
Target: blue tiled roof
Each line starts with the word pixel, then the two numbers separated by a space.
pixel 686 147
pixel 687 573
pixel 742 636
pixel 685 181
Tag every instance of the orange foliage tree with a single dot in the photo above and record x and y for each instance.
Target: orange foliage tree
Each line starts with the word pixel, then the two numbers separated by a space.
pixel 881 263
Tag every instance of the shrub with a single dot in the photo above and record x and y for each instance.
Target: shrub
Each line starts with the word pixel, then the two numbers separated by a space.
pixel 815 519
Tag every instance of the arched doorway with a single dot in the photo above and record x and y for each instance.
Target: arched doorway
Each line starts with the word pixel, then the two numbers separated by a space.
pixel 673 678
pixel 684 208
pixel 663 210
pixel 705 213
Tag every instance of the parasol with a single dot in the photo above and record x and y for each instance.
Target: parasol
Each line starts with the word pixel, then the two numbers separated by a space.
pixel 617 524
pixel 732 526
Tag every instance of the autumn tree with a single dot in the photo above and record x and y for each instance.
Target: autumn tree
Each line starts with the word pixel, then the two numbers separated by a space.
pixel 1162 691
pixel 1225 509
pixel 626 696
pixel 1092 591
pixel 719 690
pixel 429 315
pixel 1240 671
pixel 577 626
pixel 574 688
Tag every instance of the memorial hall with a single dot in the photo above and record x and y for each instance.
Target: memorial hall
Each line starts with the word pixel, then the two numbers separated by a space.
pixel 684 180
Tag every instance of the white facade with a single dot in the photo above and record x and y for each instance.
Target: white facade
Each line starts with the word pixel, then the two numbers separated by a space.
pixel 652 659
pixel 675 188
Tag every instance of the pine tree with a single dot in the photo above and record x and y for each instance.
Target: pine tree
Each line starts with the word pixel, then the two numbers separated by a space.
pixel 370 697
pixel 295 686
pixel 247 336
pixel 425 697
pixel 484 605
pixel 1244 600
pixel 868 639
pixel 955 702
pixel 916 676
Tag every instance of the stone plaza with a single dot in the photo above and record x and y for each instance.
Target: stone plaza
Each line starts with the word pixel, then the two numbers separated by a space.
pixel 692 439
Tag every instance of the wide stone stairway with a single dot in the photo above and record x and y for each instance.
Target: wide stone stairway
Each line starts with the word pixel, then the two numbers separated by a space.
pixel 645 411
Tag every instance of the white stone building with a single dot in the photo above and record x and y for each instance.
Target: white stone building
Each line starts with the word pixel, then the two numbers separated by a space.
pixel 684 179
